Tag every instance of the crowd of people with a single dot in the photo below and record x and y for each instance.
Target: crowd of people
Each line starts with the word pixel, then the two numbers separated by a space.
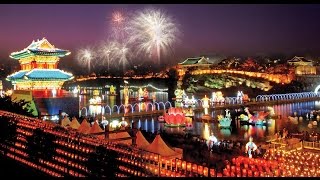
pixel 284 134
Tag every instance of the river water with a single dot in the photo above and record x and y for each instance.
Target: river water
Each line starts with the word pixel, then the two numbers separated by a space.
pixel 236 132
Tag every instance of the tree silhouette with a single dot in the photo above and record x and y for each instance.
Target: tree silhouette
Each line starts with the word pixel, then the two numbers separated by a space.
pixel 172 82
pixel 103 163
pixel 19 107
pixel 250 65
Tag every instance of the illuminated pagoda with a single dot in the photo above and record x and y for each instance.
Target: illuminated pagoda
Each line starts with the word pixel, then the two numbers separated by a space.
pixel 302 66
pixel 39 67
pixel 40 82
pixel 196 62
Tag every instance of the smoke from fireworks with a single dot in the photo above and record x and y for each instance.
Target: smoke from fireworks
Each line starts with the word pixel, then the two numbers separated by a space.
pixel 153 32
pixel 85 57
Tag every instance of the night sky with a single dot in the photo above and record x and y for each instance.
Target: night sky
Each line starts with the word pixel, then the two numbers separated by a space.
pixel 206 29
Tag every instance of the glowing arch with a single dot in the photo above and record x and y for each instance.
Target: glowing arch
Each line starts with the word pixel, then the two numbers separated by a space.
pixel 132 110
pixel 167 103
pixel 116 107
pixel 119 109
pixel 199 102
pixel 136 105
pixel 317 89
pixel 104 110
pixel 258 98
pixel 228 100
pixel 86 111
pixel 157 105
pixel 149 105
pixel 234 100
pixel 164 106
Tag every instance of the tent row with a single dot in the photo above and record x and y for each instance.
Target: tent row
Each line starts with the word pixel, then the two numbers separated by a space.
pixel 86 128
pixel 157 146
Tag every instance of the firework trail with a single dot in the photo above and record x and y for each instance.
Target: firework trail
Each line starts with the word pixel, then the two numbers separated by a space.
pixel 85 57
pixel 122 51
pixel 119 39
pixel 107 51
pixel 118 26
pixel 153 32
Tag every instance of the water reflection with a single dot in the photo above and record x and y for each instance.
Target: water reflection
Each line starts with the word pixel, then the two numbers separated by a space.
pixel 259 133
pixel 206 131
pixel 203 129
pixel 87 109
pixel 226 132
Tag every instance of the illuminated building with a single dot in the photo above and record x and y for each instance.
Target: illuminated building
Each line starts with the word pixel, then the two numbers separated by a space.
pixel 302 66
pixel 39 67
pixel 39 80
pixel 197 63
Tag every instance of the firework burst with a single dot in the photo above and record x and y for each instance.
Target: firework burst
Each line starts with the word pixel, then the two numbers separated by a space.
pixel 107 52
pixel 85 57
pixel 118 25
pixel 122 52
pixel 153 32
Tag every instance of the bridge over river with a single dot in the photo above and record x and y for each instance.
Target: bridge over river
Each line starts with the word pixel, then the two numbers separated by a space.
pixel 159 108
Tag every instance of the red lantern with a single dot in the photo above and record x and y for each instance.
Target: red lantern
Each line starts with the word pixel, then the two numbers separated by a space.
pixel 212 173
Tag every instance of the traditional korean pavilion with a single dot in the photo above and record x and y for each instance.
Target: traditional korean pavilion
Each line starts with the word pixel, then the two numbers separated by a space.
pixel 302 66
pixel 195 62
pixel 39 67
pixel 39 80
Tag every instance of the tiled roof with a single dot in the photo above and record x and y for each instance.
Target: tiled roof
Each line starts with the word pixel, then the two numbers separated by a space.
pixel 40 47
pixel 17 75
pixel 197 60
pixel 41 74
pixel 299 59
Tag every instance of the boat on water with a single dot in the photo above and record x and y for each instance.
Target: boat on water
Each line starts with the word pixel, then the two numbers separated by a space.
pixel 188 128
pixel 175 125
pixel 112 91
pixel 188 112
pixel 225 122
pixel 258 122
pixel 261 122
pixel 176 118
pixel 257 119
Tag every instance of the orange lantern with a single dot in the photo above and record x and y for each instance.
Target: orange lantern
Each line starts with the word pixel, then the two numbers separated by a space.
pixel 205 171
pixel 168 173
pixel 163 172
pixel 212 173
pixel 194 167
pixel 183 165
pixel 188 166
pixel 200 170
